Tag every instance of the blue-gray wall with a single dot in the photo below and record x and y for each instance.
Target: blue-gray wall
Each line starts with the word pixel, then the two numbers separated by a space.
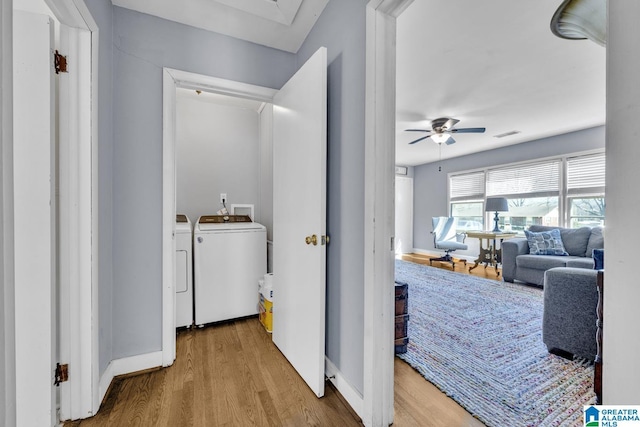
pixel 102 12
pixel 341 29
pixel 430 186
pixel 143 45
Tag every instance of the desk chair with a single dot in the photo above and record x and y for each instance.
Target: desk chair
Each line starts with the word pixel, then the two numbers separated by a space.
pixel 446 238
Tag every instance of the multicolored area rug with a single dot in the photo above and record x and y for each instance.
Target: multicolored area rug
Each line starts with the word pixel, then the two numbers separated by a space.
pixel 480 342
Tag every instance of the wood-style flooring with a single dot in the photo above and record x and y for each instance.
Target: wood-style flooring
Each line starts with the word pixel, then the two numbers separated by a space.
pixel 231 374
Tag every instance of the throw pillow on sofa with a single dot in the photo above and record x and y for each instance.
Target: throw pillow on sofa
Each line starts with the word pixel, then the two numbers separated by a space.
pixel 545 242
pixel 598 259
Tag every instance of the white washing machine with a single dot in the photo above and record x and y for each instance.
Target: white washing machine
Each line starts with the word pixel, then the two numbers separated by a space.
pixel 230 256
pixel 184 272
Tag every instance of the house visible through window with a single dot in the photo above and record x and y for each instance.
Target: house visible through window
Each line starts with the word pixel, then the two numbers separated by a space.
pixel 566 192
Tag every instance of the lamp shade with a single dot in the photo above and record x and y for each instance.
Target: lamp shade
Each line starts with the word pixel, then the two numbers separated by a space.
pixel 497 204
pixel 439 138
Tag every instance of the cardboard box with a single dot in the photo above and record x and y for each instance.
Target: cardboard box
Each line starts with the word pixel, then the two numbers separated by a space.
pixel 265 313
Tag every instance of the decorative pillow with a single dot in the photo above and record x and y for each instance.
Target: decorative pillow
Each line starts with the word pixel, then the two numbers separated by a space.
pixel 545 242
pixel 598 259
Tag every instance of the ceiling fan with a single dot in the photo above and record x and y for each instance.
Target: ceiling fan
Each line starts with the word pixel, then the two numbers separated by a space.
pixel 442 129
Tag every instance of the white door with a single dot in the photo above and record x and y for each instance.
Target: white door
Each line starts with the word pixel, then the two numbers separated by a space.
pixel 34 208
pixel 299 211
pixel 404 215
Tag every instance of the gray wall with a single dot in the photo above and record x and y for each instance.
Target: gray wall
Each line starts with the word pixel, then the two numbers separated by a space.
pixel 341 28
pixel 142 46
pixel 102 12
pixel 7 285
pixel 217 151
pixel 430 186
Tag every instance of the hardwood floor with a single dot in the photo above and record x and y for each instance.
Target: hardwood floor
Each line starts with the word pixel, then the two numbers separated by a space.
pixel 231 374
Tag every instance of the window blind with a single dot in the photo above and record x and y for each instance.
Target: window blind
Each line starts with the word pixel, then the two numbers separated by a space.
pixel 535 180
pixel 586 174
pixel 467 186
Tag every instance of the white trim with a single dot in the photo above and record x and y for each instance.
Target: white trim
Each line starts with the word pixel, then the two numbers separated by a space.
pixel 128 365
pixel 173 79
pixel 380 89
pixel 80 399
pixel 168 219
pixel 348 391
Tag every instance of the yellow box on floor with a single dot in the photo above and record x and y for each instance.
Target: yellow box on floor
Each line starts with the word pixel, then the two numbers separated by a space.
pixel 266 313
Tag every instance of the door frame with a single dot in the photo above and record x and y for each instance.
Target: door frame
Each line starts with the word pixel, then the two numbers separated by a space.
pixel 173 79
pixel 380 89
pixel 82 287
pixel 379 215
pixel 80 398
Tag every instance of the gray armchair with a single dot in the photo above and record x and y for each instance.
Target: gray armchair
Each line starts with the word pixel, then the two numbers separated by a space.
pixel 569 314
pixel 445 237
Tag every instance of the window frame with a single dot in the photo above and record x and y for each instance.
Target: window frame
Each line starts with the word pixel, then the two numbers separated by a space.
pixel 564 193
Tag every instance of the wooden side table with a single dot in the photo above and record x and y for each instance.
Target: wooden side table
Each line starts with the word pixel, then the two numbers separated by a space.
pixel 489 254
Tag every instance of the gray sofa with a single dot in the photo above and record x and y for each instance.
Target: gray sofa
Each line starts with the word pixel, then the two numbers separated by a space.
pixel 518 264
pixel 569 315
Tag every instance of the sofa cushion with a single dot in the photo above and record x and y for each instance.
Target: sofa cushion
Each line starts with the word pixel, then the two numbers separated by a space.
pixel 596 240
pixel 541 262
pixel 575 240
pixel 580 262
pixel 545 242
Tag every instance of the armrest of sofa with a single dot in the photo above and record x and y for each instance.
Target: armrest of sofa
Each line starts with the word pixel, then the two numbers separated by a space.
pixel 510 250
pixel 569 317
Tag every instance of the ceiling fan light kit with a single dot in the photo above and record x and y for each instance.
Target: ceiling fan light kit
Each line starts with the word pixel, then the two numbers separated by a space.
pixel 581 19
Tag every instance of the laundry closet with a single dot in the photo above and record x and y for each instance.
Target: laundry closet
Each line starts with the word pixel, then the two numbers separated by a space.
pixel 224 192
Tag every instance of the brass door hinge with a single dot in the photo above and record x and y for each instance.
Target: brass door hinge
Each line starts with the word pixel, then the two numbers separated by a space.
pixel 61 374
pixel 60 63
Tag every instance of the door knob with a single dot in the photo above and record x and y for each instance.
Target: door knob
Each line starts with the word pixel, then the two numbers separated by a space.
pixel 311 239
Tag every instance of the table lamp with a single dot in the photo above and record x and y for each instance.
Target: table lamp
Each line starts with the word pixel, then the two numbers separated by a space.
pixel 496 204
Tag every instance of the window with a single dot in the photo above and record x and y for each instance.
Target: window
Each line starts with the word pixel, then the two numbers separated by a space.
pixel 585 190
pixel 586 211
pixel 527 211
pixel 466 193
pixel 469 214
pixel 567 191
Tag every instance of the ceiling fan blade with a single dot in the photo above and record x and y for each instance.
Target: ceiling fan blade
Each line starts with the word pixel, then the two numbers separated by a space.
pixel 450 141
pixel 450 123
pixel 419 139
pixel 417 130
pixel 468 130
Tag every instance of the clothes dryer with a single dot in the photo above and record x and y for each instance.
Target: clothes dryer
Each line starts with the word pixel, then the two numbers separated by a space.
pixel 230 256
pixel 184 272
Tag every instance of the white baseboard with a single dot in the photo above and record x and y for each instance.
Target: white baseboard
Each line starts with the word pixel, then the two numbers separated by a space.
pixel 351 395
pixel 127 365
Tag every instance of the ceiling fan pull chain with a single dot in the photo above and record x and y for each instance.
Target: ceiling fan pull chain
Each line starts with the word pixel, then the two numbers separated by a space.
pixel 440 157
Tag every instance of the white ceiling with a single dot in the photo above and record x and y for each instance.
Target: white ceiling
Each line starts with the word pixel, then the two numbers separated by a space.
pixel 492 64
pixel 281 24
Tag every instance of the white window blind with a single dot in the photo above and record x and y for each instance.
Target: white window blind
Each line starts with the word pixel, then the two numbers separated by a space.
pixel 467 186
pixel 586 174
pixel 535 180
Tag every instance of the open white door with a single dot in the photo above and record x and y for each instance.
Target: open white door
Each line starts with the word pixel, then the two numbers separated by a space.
pixel 299 219
pixel 34 210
